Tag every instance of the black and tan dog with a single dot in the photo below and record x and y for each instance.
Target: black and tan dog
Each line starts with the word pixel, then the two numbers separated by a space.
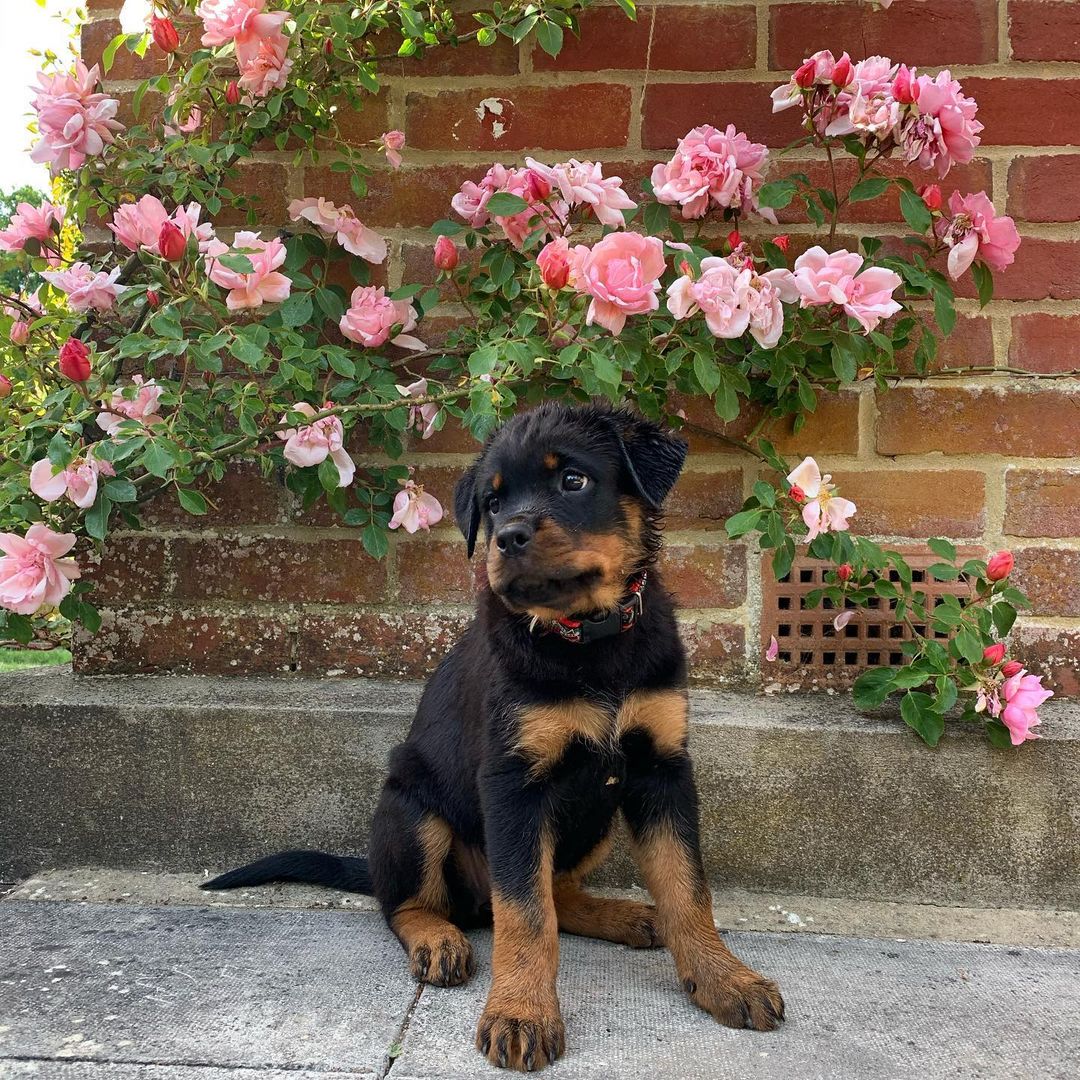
pixel 563 703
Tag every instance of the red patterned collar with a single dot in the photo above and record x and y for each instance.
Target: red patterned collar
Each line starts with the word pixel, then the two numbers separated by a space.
pixel 617 621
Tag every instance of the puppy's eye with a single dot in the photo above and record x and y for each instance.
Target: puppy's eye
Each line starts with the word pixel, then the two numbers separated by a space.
pixel 574 481
pixel 493 504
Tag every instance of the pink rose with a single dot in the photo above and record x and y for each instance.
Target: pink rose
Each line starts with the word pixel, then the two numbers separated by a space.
pixel 392 143
pixel 723 167
pixel 33 574
pixel 817 70
pixel 994 654
pixel 1023 694
pixel 421 417
pixel 19 334
pixel 834 278
pixel 74 121
pixel 1000 565
pixel 415 509
pixel 142 406
pixel 86 289
pixel 721 292
pixel 263 285
pixel 311 445
pixel 554 263
pixel 976 232
pixel 944 130
pixel 351 233
pixel 582 183
pixel 138 225
pixel 823 510
pixel 79 481
pixel 192 122
pixel 445 256
pixel 622 275
pixel 471 204
pixel 224 20
pixel 41 223
pixel 261 55
pixel 372 316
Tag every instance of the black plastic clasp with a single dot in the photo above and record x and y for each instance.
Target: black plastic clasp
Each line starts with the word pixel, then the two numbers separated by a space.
pixel 607 626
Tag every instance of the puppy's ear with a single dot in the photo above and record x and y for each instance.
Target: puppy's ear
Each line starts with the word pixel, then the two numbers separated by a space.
pixel 652 455
pixel 467 508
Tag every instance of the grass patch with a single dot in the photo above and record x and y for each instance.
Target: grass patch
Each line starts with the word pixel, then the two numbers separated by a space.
pixel 13 659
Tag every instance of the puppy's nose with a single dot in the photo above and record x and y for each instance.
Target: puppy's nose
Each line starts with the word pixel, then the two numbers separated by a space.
pixel 514 538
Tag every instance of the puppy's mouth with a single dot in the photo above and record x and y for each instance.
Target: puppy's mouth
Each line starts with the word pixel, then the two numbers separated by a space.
pixel 549 595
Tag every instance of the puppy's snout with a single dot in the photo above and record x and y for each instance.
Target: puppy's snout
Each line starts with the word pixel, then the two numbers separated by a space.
pixel 513 538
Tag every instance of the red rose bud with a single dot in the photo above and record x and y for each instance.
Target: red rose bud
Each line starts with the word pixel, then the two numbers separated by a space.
pixel 232 93
pixel 1013 667
pixel 75 360
pixel 797 494
pixel 554 264
pixel 171 242
pixel 805 74
pixel 539 186
pixel 994 654
pixel 905 88
pixel 1000 565
pixel 328 47
pixel 686 269
pixel 931 195
pixel 446 254
pixel 844 571
pixel 152 298
pixel 841 74
pixel 164 34
pixel 782 242
pixel 5 387
pixel 734 239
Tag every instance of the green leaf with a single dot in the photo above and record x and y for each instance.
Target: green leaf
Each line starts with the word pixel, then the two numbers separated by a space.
pixel 121 491
pixel 375 541
pixel 330 304
pixel 240 264
pixel 944 311
pixel 656 218
pixel 943 572
pixel 342 364
pixel 109 55
pixel 984 282
pixel 503 204
pixel 158 459
pixel 776 194
pixel 869 188
pixel 97 517
pixel 1004 615
pixel 783 557
pixel 916 710
pixel 60 453
pixel 998 734
pixel 550 36
pixel 89 616
pixel 708 372
pixel 741 523
pixel 296 310
pixel 18 627
pixel 445 227
pixel 872 688
pixel 969 644
pixel 329 476
pixel 915 212
pixel 192 501
pixel 946 694
pixel 942 548
pixel 628 7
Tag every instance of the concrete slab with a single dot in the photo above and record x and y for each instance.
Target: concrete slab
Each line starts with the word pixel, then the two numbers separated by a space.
pixel 856 1009
pixel 260 989
pixel 92 992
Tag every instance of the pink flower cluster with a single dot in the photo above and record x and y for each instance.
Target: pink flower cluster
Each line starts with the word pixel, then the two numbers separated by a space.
pixel 74 121
pixel 312 444
pixel 261 46
pixel 734 299
pixel 142 406
pixel 87 289
pixel 372 316
pixel 138 225
pixel 713 168
pixel 1012 696
pixel 976 232
pixel 340 221
pixel 33 573
pixel 414 508
pixel 929 119
pixel 421 417
pixel 583 184
pixel 79 481
pixel 823 510
pixel 41 223
pixel 250 289
pixel 471 202
pixel 837 277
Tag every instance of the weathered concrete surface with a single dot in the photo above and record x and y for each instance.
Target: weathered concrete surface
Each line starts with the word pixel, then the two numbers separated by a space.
pixel 200 993
pixel 735 909
pixel 799 793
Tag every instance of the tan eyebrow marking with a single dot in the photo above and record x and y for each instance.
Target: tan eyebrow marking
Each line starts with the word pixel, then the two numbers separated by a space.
pixel 551 461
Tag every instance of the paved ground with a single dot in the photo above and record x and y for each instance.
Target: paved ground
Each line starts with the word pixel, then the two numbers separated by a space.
pixel 94 991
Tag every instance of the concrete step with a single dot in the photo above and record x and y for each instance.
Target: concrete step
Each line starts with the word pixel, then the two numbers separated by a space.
pixel 800 794
pixel 134 992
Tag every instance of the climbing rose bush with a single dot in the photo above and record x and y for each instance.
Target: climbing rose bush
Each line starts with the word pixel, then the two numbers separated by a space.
pixel 163 347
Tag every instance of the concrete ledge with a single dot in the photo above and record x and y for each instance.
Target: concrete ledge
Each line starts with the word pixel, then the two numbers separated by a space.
pixel 800 793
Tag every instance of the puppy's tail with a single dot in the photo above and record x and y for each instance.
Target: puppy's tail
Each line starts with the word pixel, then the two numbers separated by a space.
pixel 346 872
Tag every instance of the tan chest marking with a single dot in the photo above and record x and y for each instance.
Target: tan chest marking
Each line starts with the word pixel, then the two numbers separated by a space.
pixel 660 713
pixel 544 731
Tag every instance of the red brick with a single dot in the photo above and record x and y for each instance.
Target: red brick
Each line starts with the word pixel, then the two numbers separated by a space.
pixel 1045 343
pixel 1037 423
pixel 1045 187
pixel 705 577
pixel 832 429
pixel 942 32
pixel 1044 269
pixel 431 570
pixel 95 38
pixel 278 570
pixel 127 570
pixel 716 651
pixel 159 639
pixel 468 58
pixel 360 126
pixel 1042 502
pixel 703 499
pixel 242 497
pixel 970 344
pixel 1026 112
pixel 408 645
pixel 916 503
pixel 1042 30
pixel 533 117
pixel 1051 652
pixel 707 38
pixel 1051 579
pixel 672 109
pixel 266 182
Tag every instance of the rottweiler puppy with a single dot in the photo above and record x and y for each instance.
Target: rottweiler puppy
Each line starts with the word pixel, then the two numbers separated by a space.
pixel 563 703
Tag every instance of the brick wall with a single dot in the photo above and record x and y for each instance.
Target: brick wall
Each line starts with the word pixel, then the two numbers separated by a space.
pixel 259 586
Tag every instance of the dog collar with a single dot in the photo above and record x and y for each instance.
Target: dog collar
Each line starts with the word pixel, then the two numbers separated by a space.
pixel 617 621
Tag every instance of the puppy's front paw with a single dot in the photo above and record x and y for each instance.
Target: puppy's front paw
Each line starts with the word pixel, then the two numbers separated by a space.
pixel 736 996
pixel 526 1043
pixel 442 960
